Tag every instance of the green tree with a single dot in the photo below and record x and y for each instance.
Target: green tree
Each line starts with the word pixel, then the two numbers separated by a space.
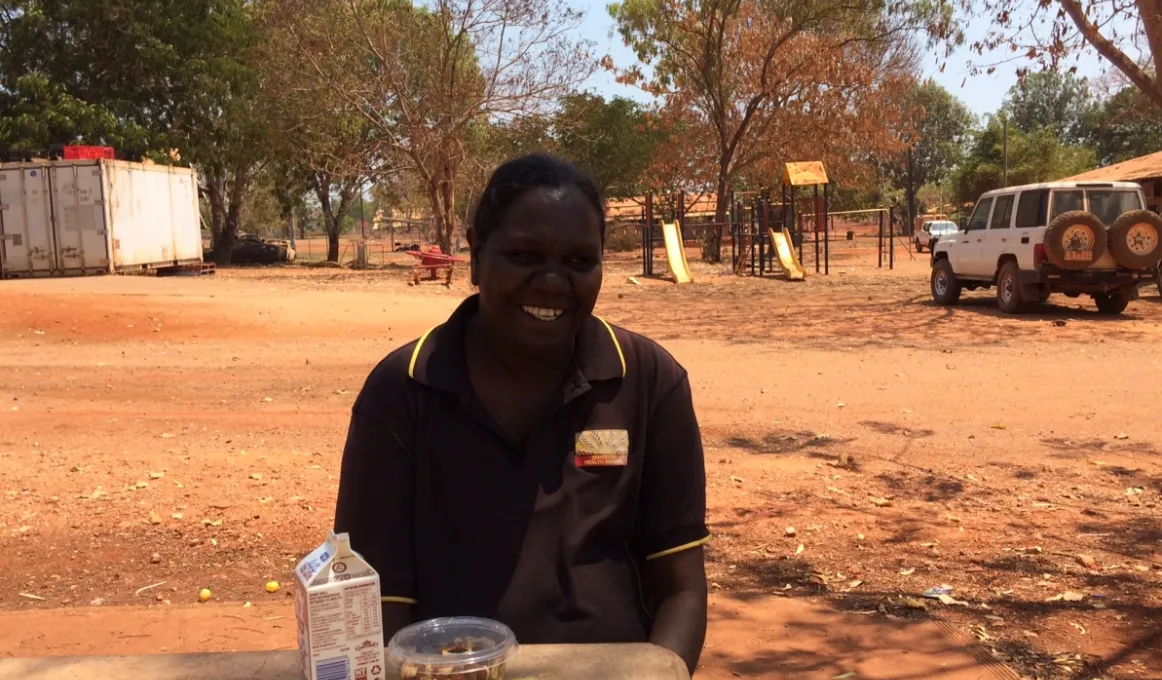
pixel 1060 102
pixel 37 113
pixel 1128 125
pixel 146 76
pixel 612 140
pixel 1038 156
pixel 939 129
pixel 944 127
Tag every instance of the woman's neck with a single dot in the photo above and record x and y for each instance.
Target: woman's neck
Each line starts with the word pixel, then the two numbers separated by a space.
pixel 514 361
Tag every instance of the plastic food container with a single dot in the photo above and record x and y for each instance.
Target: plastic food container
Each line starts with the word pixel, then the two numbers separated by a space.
pixel 457 648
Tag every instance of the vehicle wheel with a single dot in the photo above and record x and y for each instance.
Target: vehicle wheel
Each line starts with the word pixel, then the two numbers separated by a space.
pixel 945 286
pixel 1111 303
pixel 1135 239
pixel 919 248
pixel 1043 295
pixel 1075 240
pixel 1009 288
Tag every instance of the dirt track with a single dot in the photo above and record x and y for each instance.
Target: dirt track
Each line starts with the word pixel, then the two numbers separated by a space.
pixel 188 432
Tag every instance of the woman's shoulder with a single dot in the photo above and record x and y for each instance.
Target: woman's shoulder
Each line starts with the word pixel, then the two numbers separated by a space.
pixel 389 381
pixel 648 358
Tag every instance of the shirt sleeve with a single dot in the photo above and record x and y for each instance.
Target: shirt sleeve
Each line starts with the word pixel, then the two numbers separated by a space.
pixel 376 487
pixel 673 491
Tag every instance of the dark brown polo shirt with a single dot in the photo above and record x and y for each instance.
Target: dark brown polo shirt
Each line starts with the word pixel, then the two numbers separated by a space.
pixel 548 535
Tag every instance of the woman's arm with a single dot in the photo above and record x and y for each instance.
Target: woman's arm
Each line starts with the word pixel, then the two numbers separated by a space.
pixel 673 521
pixel 676 584
pixel 376 488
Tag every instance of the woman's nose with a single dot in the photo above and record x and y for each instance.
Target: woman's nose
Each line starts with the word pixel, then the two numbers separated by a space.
pixel 553 277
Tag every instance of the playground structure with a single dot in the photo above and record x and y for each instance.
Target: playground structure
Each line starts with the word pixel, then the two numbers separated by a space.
pixel 784 238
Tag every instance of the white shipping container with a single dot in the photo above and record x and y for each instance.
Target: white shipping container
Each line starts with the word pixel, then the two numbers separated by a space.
pixel 78 217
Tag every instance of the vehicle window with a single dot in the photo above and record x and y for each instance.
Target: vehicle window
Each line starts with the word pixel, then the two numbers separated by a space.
pixel 1032 209
pixel 1109 204
pixel 1064 201
pixel 1003 213
pixel 943 227
pixel 927 226
pixel 980 216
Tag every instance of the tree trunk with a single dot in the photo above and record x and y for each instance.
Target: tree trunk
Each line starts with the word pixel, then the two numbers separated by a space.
pixel 712 244
pixel 441 213
pixel 238 181
pixel 448 204
pixel 216 195
pixel 333 215
pixel 226 189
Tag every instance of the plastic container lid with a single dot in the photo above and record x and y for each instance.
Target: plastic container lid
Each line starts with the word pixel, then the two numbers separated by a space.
pixel 452 645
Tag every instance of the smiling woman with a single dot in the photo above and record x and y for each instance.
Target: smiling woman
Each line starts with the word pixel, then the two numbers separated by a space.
pixel 526 461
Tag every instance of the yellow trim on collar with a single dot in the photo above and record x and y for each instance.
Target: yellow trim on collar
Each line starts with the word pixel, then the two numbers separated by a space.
pixel 398 600
pixel 416 352
pixel 613 336
pixel 681 548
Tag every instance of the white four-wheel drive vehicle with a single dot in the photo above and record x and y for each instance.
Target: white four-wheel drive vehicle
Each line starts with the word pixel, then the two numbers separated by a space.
pixel 1075 238
pixel 931 232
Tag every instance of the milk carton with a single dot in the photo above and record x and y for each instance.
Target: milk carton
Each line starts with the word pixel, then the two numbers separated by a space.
pixel 337 606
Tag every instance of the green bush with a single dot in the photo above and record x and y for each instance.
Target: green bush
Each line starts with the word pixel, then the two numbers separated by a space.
pixel 622 238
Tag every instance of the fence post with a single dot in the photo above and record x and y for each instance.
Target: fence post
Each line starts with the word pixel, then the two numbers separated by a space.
pixel 880 243
pixel 892 238
pixel 648 238
pixel 826 233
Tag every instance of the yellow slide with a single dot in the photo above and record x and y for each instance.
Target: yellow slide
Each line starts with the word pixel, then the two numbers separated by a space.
pixel 788 260
pixel 676 253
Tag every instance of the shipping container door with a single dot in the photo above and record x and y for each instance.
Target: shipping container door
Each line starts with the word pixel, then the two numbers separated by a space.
pixel 80 218
pixel 187 229
pixel 142 235
pixel 26 221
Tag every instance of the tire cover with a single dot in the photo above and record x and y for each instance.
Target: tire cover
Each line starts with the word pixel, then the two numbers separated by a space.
pixel 1075 240
pixel 1135 239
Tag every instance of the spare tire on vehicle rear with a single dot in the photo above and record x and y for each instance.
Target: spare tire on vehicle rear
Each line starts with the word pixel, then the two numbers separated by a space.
pixel 1135 239
pixel 1075 240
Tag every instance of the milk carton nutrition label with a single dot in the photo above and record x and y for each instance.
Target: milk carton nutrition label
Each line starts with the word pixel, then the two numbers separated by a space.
pixel 338 613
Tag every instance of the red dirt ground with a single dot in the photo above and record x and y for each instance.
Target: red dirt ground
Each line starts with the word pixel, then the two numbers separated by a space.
pixel 158 436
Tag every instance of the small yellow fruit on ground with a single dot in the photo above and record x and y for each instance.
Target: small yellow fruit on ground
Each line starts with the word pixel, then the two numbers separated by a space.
pixel 272 587
pixel 204 595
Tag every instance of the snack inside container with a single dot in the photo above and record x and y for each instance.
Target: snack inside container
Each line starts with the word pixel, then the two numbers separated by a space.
pixel 455 648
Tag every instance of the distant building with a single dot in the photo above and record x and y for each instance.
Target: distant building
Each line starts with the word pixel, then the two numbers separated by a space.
pixel 1145 170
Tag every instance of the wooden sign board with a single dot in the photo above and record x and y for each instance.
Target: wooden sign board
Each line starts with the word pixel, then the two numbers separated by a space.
pixel 805 174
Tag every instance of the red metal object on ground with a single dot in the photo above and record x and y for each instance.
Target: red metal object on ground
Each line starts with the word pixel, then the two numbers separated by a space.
pixel 87 152
pixel 432 261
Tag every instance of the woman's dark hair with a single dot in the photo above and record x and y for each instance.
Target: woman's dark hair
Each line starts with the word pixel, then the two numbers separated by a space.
pixel 524 173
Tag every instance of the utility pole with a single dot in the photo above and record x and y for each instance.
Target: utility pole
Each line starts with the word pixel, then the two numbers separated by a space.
pixel 362 224
pixel 1005 145
pixel 911 196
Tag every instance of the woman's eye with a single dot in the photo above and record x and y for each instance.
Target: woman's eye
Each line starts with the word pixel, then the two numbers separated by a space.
pixel 582 264
pixel 523 257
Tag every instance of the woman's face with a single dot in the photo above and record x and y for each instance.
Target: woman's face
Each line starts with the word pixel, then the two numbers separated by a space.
pixel 539 271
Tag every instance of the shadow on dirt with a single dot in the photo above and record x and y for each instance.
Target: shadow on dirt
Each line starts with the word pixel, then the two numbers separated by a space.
pixel 1090 446
pixel 930 487
pixel 1017 584
pixel 900 430
pixel 781 442
pixel 1058 308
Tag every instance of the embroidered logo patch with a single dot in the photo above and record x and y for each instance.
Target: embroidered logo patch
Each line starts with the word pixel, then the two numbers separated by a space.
pixel 596 448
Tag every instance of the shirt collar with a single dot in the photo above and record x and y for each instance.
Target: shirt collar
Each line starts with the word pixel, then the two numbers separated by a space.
pixel 438 357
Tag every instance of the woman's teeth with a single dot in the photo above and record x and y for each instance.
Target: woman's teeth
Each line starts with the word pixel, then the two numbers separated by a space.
pixel 543 313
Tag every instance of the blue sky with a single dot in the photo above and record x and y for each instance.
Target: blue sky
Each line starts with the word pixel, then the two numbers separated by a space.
pixel 982 94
